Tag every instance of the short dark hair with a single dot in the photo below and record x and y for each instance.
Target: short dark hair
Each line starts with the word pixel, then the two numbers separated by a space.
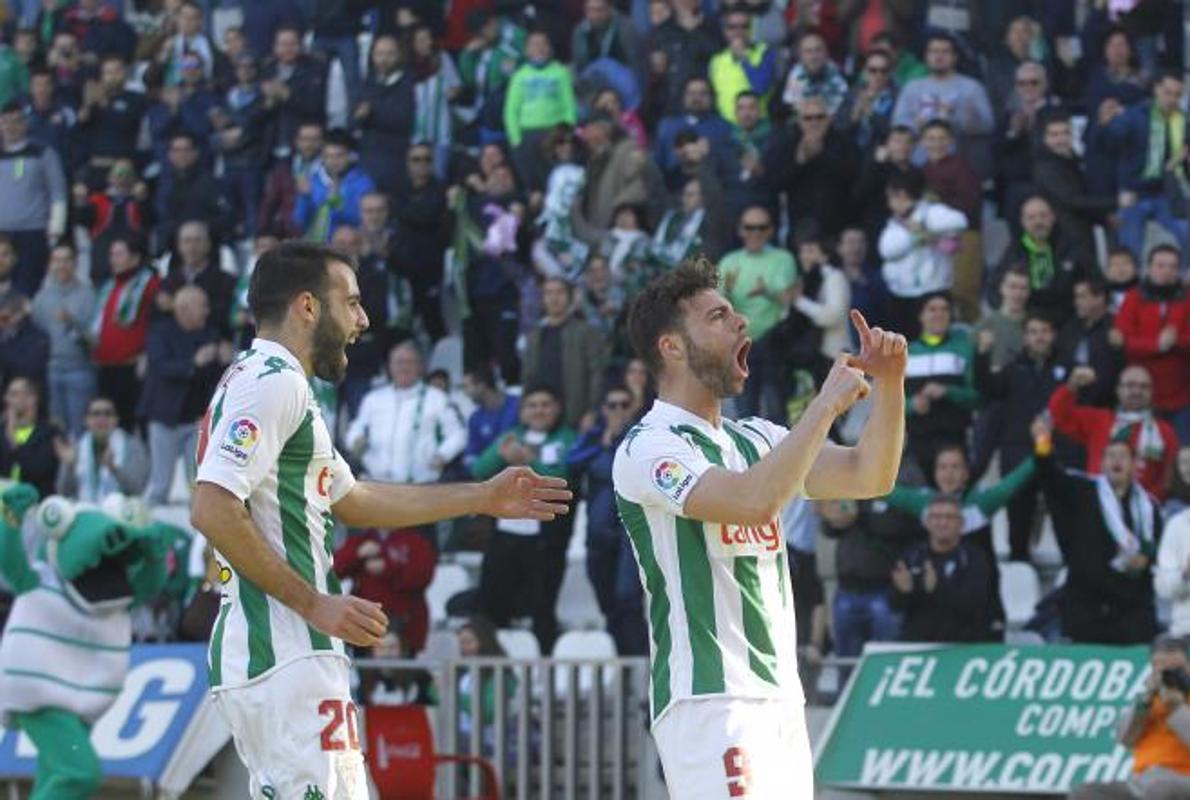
pixel 338 137
pixel 1164 247
pixel 747 93
pixel 657 311
pixel 938 35
pixel 940 124
pixel 286 271
pixel 911 182
pixel 1168 75
pixel 1018 269
pixel 541 388
pixel 1037 314
pixel 482 373
pixel 1095 284
pixel 135 244
pixel 949 447
pixel 1053 116
pixel 1120 250
pixel 944 499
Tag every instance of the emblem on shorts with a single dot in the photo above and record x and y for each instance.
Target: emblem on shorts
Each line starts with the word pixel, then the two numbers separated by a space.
pixel 672 478
pixel 313 793
pixel 268 792
pixel 243 435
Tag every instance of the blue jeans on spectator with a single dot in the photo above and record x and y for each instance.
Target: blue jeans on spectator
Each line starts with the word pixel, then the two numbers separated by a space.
pixel 166 444
pixel 346 49
pixel 861 617
pixel 243 185
pixel 1155 207
pixel 70 391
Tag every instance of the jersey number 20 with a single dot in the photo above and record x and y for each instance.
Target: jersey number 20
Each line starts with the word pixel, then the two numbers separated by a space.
pixel 339 710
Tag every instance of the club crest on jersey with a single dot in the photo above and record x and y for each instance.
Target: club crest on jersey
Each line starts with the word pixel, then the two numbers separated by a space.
pixel 672 478
pixel 243 435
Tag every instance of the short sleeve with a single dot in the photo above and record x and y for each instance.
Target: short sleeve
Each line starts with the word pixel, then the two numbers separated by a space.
pixel 344 480
pixel 249 426
pixel 658 468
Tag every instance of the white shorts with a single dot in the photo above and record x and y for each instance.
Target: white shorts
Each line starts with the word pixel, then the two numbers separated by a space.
pixel 298 730
pixel 717 749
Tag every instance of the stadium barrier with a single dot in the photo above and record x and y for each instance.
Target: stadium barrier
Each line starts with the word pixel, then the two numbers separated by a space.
pixel 551 728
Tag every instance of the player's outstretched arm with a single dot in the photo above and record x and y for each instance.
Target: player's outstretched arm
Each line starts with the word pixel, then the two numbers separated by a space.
pixel 869 469
pixel 221 517
pixel 515 493
pixel 757 495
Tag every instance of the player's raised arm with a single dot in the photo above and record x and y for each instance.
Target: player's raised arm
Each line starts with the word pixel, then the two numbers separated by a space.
pixel 756 496
pixel 869 469
pixel 515 493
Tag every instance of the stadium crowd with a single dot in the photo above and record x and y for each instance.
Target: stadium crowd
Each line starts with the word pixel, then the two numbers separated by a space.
pixel 1005 183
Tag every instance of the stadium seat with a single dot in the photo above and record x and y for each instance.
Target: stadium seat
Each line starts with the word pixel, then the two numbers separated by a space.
pixel 518 643
pixel 585 645
pixel 441 646
pixel 449 579
pixel 401 755
pixel 1020 589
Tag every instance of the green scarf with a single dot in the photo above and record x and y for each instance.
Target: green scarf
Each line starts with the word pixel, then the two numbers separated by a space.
pixel 1041 262
pixel 466 237
pixel 1155 165
pixel 131 294
pixel 677 236
pixel 320 228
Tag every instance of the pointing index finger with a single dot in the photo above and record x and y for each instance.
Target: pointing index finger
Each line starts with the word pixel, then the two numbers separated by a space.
pixel 861 325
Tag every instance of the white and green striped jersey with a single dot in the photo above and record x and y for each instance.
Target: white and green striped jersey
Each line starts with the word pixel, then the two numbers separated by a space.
pixel 264 440
pixel 718 597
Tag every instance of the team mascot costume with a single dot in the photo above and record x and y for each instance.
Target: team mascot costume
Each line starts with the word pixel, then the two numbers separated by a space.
pixel 65 649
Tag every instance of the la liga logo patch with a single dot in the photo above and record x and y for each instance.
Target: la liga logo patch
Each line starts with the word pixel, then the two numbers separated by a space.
pixel 672 478
pixel 243 435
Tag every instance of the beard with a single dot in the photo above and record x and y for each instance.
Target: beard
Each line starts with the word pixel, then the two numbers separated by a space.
pixel 328 354
pixel 716 373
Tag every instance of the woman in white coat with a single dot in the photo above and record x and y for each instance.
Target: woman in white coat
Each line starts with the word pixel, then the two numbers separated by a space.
pixel 917 245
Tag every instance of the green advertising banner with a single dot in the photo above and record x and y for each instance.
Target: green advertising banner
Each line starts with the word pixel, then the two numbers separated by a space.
pixel 983 718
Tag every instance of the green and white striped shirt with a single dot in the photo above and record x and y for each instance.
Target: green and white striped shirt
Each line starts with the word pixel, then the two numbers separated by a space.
pixel 264 440
pixel 719 600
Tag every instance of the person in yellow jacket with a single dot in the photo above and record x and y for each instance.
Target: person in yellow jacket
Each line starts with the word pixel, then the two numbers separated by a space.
pixel 743 66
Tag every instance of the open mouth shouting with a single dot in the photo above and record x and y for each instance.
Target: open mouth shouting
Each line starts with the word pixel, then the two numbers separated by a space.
pixel 741 357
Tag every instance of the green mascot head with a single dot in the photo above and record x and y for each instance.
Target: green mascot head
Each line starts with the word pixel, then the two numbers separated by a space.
pixel 106 558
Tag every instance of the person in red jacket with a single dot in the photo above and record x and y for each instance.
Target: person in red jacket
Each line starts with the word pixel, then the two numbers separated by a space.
pixel 1152 438
pixel 1154 322
pixel 392 568
pixel 121 325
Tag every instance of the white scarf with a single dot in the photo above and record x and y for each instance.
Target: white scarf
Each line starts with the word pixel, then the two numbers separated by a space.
pixel 676 237
pixel 1149 445
pixel 95 480
pixel 1129 542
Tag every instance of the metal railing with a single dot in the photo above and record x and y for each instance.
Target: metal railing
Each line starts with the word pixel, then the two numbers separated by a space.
pixel 552 728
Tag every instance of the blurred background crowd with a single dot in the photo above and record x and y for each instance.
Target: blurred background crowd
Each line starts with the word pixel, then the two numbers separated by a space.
pixel 1005 183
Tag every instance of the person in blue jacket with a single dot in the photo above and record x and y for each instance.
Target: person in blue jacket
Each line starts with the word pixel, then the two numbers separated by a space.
pixel 330 197
pixel 611 566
